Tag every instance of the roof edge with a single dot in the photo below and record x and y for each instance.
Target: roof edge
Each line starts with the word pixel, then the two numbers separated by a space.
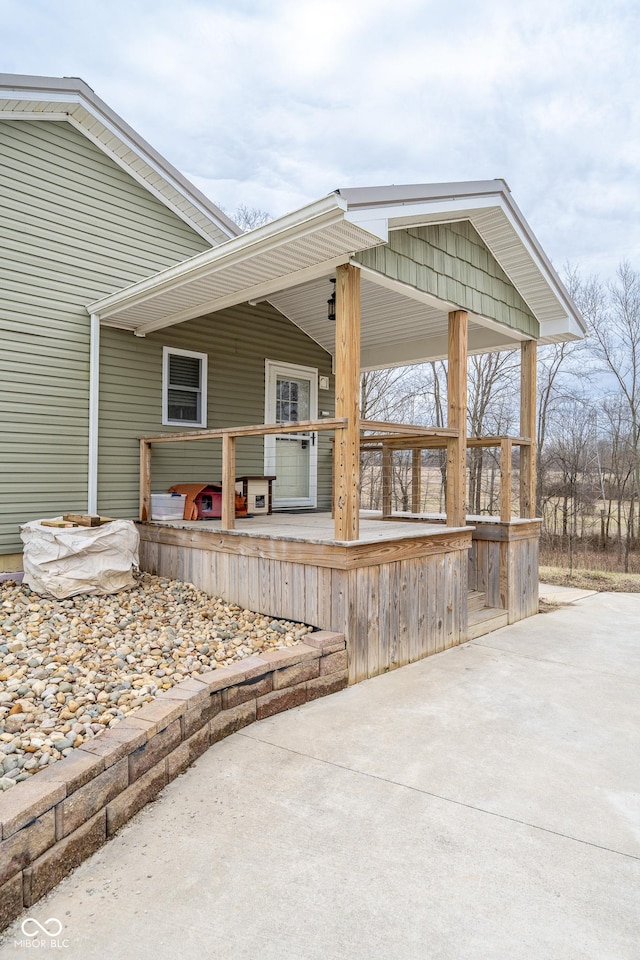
pixel 79 91
pixel 360 199
pixel 327 210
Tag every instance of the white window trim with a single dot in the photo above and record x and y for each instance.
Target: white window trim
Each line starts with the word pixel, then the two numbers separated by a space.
pixel 203 357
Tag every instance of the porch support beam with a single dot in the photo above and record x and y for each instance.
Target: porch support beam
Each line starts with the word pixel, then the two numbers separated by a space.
pixel 457 418
pixel 506 448
pixel 387 480
pixel 416 479
pixel 228 512
pixel 145 479
pixel 528 362
pixel 346 475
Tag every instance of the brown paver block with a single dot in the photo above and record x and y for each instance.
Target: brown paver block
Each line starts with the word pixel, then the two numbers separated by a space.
pixel 193 719
pixel 10 900
pixel 192 692
pixel 254 667
pixel 298 673
pixel 160 713
pixel 333 663
pixel 249 690
pixel 116 742
pixel 135 797
pixel 177 762
pixel 73 771
pixel 288 656
pixel 323 639
pixel 27 801
pixel 188 751
pixel 26 845
pixel 49 869
pixel 222 677
pixel 323 686
pixel 145 726
pixel 78 807
pixel 229 721
pixel 154 750
pixel 280 700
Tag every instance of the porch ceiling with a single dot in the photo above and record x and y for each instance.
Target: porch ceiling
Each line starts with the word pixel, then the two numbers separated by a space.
pixel 399 324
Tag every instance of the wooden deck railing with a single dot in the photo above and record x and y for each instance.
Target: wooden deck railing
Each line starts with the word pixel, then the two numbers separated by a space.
pixel 374 434
pixel 228 435
pixel 440 439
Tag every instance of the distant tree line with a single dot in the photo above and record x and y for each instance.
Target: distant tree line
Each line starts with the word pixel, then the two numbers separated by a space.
pixel 588 417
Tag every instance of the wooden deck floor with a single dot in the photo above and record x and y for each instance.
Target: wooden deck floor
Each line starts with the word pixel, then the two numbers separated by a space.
pixel 315 527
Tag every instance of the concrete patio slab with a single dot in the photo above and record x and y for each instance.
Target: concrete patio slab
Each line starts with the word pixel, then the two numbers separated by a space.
pixel 553 593
pixel 484 803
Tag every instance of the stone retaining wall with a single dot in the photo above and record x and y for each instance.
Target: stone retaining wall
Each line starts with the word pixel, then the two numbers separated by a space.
pixel 57 818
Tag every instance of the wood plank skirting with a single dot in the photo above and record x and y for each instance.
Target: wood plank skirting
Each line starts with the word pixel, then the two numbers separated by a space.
pixel 395 601
pixel 503 563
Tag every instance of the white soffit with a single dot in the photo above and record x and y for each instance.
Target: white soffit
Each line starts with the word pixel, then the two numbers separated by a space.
pixel 72 100
pixel 287 252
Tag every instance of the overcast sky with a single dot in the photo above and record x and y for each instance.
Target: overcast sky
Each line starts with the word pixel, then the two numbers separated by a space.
pixel 276 103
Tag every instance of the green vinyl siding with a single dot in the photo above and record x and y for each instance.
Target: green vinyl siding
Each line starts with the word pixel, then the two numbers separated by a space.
pixel 74 227
pixel 451 261
pixel 237 342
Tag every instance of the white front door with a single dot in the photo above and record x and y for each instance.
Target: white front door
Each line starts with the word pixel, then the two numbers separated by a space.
pixel 291 395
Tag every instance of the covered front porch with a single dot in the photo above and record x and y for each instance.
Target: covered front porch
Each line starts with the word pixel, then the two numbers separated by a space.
pixel 399 585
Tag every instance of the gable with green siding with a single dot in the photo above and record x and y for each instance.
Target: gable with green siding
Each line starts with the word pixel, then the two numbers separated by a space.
pixel 451 261
pixel 74 227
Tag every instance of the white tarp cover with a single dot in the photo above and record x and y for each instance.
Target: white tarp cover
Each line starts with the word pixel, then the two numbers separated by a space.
pixel 64 561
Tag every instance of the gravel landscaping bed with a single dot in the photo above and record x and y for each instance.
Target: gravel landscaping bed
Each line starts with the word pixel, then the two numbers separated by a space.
pixel 71 668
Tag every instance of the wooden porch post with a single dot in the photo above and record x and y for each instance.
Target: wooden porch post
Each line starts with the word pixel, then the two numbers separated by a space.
pixel 387 479
pixel 457 419
pixel 506 448
pixel 528 358
pixel 346 467
pixel 228 518
pixel 145 480
pixel 416 479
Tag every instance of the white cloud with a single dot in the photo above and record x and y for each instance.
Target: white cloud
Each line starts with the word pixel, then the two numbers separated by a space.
pixel 275 103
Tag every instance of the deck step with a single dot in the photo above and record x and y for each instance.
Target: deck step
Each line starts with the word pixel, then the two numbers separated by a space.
pixel 476 600
pixel 485 621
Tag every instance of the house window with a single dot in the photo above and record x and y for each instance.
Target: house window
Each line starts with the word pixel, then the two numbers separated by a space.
pixel 184 388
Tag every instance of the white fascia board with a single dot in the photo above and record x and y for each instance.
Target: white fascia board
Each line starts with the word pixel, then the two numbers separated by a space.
pixel 137 176
pixel 397 211
pixel 164 174
pixel 500 328
pixel 31 115
pixel 370 220
pixel 565 328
